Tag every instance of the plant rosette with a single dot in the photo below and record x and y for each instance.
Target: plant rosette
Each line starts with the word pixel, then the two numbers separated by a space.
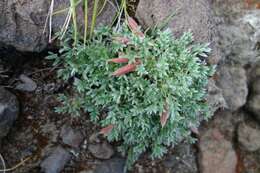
pixel 151 87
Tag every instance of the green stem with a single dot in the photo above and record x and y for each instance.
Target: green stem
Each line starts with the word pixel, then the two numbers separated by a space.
pixel 94 17
pixel 86 21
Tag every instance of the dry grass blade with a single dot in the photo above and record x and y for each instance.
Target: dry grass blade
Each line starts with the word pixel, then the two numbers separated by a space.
pixel 13 168
pixel 3 163
pixel 66 24
pixel 49 17
pixel 74 20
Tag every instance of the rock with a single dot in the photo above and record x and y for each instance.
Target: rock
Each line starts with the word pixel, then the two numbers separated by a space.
pixel 215 97
pixel 27 84
pixel 238 31
pixel 191 15
pixel 216 154
pixel 22 22
pixel 115 165
pixel 233 82
pixel 56 161
pixel 71 137
pixel 225 121
pixel 249 137
pixel 9 110
pixel 228 8
pixel 237 45
pixel 182 160
pixel 101 151
pixel 250 162
pixel 254 105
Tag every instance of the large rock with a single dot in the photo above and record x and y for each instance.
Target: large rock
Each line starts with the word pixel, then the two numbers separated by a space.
pixel 216 153
pixel 240 38
pixel 238 31
pixel 249 137
pixel 226 122
pixel 191 15
pixel 22 22
pixel 233 82
pixel 9 109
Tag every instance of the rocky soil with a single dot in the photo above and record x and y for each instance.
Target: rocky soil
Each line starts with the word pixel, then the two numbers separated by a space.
pixel 36 139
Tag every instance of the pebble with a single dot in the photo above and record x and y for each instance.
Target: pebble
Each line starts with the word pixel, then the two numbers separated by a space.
pixel 71 136
pixel 27 85
pixel 101 151
pixel 56 161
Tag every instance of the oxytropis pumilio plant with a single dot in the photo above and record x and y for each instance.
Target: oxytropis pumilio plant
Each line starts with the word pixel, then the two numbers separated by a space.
pixel 151 88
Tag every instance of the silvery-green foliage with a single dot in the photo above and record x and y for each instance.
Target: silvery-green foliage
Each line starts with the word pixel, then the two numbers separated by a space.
pixel 173 71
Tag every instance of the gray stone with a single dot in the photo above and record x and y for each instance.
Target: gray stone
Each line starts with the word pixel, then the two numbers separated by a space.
pixel 115 165
pixel 250 162
pixel 27 84
pixel 71 137
pixel 9 110
pixel 238 31
pixel 22 22
pixel 56 161
pixel 226 122
pixel 101 151
pixel 182 160
pixel 233 82
pixel 249 137
pixel 216 154
pixel 215 97
pixel 191 15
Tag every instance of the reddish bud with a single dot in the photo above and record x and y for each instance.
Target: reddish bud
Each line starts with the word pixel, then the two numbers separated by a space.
pixel 106 130
pixel 134 27
pixel 127 68
pixel 123 40
pixel 124 70
pixel 119 60
pixel 132 24
pixel 165 115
